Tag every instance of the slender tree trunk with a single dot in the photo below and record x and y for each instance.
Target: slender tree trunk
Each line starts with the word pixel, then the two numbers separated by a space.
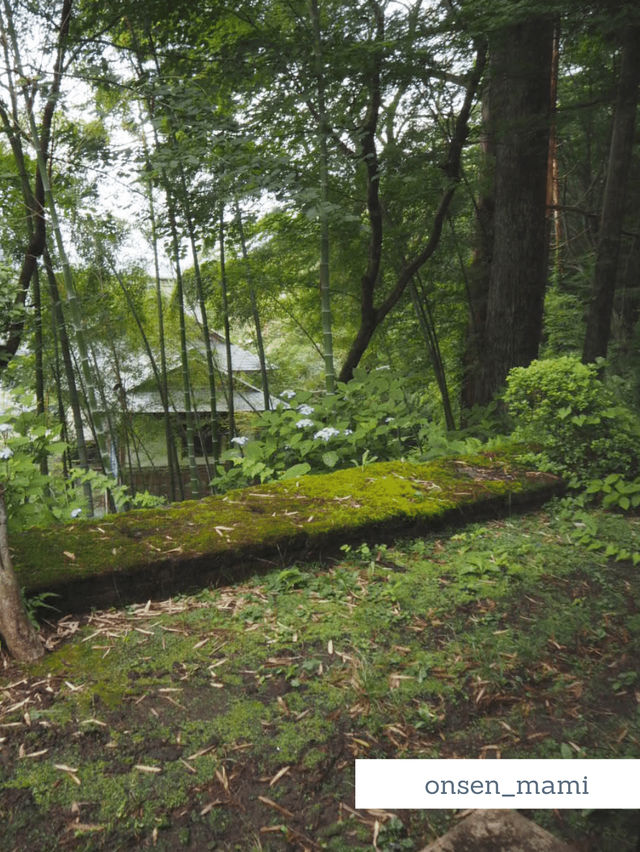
pixel 613 208
pixel 173 463
pixel 18 633
pixel 211 375
pixel 371 315
pixel 323 133
pixel 428 328
pixel 227 332
pixel 67 360
pixel 159 377
pixel 255 312
pixel 186 380
pixel 62 415
pixel 521 85
pixel 40 141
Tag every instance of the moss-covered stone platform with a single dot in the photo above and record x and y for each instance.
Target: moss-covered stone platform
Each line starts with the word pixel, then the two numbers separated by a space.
pixel 154 553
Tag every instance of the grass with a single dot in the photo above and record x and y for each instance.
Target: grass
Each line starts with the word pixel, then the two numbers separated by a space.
pixel 230 719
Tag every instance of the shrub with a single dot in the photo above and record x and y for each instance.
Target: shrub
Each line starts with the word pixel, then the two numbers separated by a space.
pixel 35 499
pixel 561 406
pixel 372 418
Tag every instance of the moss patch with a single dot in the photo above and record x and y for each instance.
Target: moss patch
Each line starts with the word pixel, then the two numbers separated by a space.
pixel 152 553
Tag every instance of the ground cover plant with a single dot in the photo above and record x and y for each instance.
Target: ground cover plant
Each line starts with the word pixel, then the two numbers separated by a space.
pixel 231 719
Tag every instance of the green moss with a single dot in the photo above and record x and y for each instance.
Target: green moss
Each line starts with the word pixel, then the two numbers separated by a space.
pixel 294 738
pixel 227 529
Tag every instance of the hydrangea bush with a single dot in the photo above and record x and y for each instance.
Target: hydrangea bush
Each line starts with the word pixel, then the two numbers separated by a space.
pixel 373 417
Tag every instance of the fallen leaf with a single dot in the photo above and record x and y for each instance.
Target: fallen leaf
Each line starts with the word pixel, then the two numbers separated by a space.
pixel 211 806
pixel 271 804
pixel 279 775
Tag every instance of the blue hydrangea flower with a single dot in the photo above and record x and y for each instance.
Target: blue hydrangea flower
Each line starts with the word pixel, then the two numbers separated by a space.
pixel 301 424
pixel 305 409
pixel 240 440
pixel 6 453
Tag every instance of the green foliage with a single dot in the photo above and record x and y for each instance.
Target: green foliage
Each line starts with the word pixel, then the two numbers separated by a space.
pixel 32 498
pixel 37 499
pixel 119 493
pixel 593 532
pixel 34 603
pixel 615 492
pixel 372 418
pixel 562 406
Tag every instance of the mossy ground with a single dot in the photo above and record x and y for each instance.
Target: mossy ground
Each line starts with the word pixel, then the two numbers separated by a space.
pixel 230 720
pixel 220 533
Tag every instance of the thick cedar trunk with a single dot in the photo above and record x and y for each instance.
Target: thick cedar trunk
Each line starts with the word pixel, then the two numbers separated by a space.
pixel 520 100
pixel 613 207
pixel 480 271
pixel 553 175
pixel 18 633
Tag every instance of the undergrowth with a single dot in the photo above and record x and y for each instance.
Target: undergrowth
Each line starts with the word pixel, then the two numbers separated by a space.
pixel 237 716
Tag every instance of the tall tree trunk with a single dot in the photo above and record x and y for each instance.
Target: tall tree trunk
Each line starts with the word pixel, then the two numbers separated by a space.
pixel 173 464
pixel 186 379
pixel 254 311
pixel 553 176
pixel 323 133
pixel 480 271
pixel 40 141
pixel 67 360
pixel 520 100
pixel 19 635
pixel 211 369
pixel 227 332
pixel 604 282
pixel 61 411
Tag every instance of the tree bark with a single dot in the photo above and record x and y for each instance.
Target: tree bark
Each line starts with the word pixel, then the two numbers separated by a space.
pixel 323 133
pixel 74 398
pixel 370 315
pixel 227 331
pixel 520 100
pixel 613 208
pixel 19 635
pixel 257 323
pixel 184 357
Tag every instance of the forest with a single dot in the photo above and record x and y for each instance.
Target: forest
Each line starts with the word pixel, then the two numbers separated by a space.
pixel 242 244
pixel 393 207
pixel 441 191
